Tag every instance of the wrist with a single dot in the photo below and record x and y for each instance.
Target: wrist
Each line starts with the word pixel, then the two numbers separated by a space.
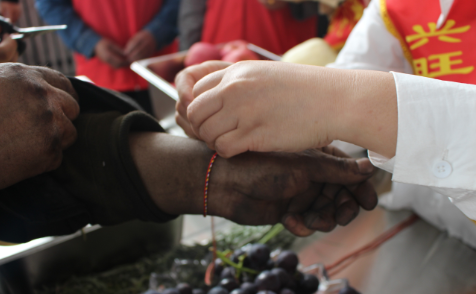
pixel 173 170
pixel 369 116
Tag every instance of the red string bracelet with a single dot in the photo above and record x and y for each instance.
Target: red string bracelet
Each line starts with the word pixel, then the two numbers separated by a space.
pixel 205 190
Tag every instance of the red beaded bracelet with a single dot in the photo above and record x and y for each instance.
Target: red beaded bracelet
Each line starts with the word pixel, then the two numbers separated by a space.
pixel 205 191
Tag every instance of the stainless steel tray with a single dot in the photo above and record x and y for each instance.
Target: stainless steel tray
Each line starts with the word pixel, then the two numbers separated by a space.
pixel 53 259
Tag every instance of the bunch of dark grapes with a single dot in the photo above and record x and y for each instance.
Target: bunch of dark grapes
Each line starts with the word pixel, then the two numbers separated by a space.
pixel 279 276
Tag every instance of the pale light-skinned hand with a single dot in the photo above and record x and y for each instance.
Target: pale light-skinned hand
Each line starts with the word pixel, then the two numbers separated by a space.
pixel 141 46
pixel 37 106
pixel 260 106
pixel 11 10
pixel 184 83
pixel 111 53
pixel 269 106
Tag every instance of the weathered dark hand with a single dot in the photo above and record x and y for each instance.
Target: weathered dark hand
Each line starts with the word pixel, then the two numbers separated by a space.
pixel 308 191
pixel 37 105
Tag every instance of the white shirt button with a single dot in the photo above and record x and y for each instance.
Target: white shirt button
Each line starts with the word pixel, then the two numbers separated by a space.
pixel 442 169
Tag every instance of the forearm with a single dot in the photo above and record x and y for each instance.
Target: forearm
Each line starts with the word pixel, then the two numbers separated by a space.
pixel 173 170
pixel 369 112
pixel 355 106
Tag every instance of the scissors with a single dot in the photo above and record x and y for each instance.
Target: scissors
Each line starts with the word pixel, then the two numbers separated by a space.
pixel 22 33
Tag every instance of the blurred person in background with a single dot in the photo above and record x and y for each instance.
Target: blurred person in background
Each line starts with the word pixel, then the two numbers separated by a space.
pixel 268 24
pixel 11 9
pixel 108 35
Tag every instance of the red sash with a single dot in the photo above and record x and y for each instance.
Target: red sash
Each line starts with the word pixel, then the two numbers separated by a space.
pixel 446 53
pixel 273 30
pixel 117 20
pixel 343 22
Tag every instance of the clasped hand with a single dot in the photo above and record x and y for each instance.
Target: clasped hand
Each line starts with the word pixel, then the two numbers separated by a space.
pixel 140 46
pixel 257 106
pixel 268 107
pixel 37 106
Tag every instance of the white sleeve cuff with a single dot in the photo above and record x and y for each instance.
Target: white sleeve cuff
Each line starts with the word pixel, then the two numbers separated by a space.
pixel 382 162
pixel 436 138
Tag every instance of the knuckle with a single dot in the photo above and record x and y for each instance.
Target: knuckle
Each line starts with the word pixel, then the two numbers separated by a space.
pixel 343 164
pixel 206 133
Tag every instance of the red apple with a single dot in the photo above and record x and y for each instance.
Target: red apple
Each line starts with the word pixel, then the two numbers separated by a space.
pixel 240 54
pixel 200 52
pixel 233 45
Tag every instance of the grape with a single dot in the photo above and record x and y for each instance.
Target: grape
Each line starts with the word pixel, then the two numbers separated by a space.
pixel 348 290
pixel 218 290
pixel 286 291
pixel 266 292
pixel 298 277
pixel 246 277
pixel 308 284
pixel 270 264
pixel 267 281
pixel 228 273
pixel 184 288
pixel 236 255
pixel 282 275
pixel 259 255
pixel 198 291
pixel 291 285
pixel 288 261
pixel 171 291
pixel 238 291
pixel 218 267
pixel 229 284
pixel 249 288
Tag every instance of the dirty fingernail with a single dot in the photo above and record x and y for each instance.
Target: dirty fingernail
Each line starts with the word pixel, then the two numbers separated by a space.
pixel 365 166
pixel 290 221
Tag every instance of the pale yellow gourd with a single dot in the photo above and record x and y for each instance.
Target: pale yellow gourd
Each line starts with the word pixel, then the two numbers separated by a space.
pixel 314 51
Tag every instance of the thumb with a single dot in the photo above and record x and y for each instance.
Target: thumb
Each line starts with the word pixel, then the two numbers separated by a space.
pixel 337 170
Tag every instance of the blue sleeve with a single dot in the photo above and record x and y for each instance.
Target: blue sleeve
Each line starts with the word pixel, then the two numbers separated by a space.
pixel 164 25
pixel 78 36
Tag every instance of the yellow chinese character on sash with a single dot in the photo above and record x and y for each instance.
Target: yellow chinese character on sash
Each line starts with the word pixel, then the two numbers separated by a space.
pixel 422 37
pixel 442 66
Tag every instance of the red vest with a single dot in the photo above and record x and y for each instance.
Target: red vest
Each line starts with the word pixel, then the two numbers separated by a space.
pixel 117 20
pixel 343 22
pixel 274 30
pixel 446 53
